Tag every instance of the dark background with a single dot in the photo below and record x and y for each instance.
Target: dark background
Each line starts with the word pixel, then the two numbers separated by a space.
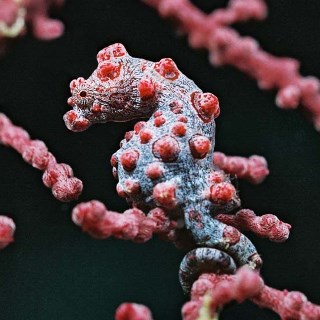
pixel 53 270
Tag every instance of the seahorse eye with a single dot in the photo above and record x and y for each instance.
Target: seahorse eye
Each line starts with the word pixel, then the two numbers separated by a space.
pixel 83 94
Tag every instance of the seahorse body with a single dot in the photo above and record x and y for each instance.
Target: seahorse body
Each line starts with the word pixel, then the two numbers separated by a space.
pixel 167 161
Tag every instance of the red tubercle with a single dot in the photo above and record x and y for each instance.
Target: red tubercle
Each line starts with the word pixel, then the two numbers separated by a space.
pixel 222 192
pixel 108 70
pixel 167 69
pixel 209 105
pixel 132 187
pixel 96 108
pixel 71 116
pixel 115 50
pixel 166 148
pixel 114 160
pixel 76 82
pixel 159 121
pixel 216 177
pixel 120 191
pixel 199 146
pixel 118 50
pixel 147 89
pixel 154 170
pixel 80 125
pixel 206 105
pixel 179 129
pixel 145 135
pixel 164 194
pixel 70 102
pixel 129 159
pixel 231 235
pixel 139 126
pixel 182 119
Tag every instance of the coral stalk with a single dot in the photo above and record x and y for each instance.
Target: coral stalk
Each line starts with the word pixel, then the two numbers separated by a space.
pixel 133 224
pixel 133 311
pixel 247 284
pixel 265 226
pixel 57 176
pixel 213 291
pixel 254 169
pixel 227 47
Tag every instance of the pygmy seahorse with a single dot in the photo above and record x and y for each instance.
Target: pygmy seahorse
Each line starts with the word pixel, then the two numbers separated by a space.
pixel 167 161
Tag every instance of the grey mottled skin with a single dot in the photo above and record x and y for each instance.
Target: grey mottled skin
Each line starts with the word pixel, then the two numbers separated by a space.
pixel 118 98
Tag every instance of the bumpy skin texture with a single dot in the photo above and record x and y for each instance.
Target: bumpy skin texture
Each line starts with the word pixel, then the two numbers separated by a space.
pixel 166 162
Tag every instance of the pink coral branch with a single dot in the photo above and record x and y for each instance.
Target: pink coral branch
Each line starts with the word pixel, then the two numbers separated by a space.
pixel 213 291
pixel 226 46
pixel 7 229
pixel 133 311
pixel 253 169
pixel 133 224
pixel 290 305
pixel 247 284
pixel 16 14
pixel 221 289
pixel 266 226
pixel 57 176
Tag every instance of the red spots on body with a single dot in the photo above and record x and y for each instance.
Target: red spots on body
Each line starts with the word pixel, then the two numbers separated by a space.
pixel 182 119
pixel 103 55
pixel 206 105
pixel 147 89
pixel 108 70
pixel 76 82
pixel 154 171
pixel 159 121
pixel 157 114
pixel 96 107
pixel 74 122
pixel 167 69
pixel 179 129
pixel 114 160
pixel 145 135
pixel 138 126
pixel 71 116
pixel 165 194
pixel 116 50
pixel 132 187
pixel 216 177
pixel 129 159
pixel 199 146
pixel 120 191
pixel 231 235
pixel 166 148
pixel 70 102
pixel 222 193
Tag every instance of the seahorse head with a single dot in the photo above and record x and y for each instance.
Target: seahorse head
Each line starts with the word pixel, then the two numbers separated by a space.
pixel 115 91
